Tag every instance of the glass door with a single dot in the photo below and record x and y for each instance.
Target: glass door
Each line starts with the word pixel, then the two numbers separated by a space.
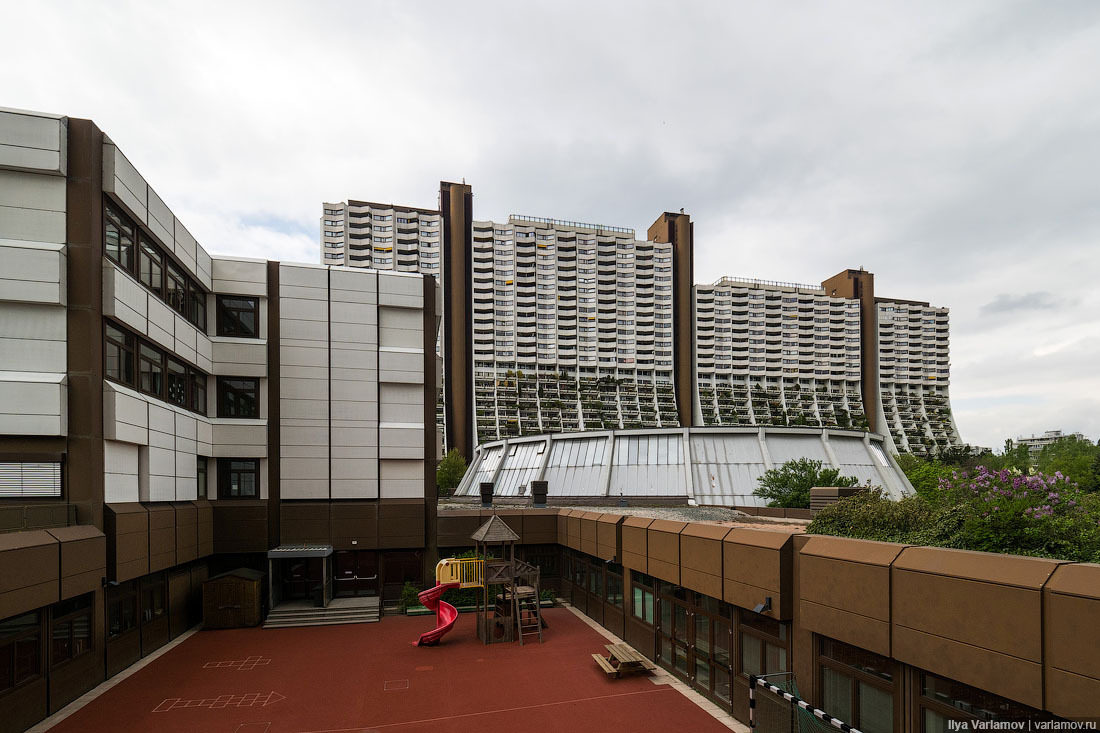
pixel 356 573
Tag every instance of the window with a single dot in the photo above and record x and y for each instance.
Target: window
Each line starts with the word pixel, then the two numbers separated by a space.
pixel 151 370
pixel 595 578
pixel 615 584
pixel 119 238
pixel 119 354
pixel 150 267
pixel 198 392
pixel 71 629
pixel 857 686
pixel 238 478
pixel 121 609
pixel 642 587
pixel 763 644
pixel 200 476
pixel 177 383
pixel 942 700
pixel 238 316
pixel 153 604
pixel 238 397
pixel 20 638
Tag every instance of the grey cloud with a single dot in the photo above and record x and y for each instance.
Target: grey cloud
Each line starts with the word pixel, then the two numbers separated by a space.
pixel 1028 302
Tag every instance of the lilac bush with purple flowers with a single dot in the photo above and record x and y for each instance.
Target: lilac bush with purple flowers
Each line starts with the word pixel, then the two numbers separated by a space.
pixel 981 509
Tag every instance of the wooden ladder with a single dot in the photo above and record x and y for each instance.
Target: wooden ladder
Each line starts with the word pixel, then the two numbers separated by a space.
pixel 528 613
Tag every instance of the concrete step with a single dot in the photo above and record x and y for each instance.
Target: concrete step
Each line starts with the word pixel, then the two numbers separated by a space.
pixel 323 622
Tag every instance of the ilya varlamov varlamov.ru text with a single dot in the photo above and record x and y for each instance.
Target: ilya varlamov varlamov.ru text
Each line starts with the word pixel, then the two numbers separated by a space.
pixel 1018 725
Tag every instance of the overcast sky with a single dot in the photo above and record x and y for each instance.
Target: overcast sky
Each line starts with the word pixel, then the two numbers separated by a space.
pixel 953 149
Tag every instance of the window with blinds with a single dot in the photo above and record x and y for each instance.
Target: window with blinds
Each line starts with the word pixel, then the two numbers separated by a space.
pixel 30 479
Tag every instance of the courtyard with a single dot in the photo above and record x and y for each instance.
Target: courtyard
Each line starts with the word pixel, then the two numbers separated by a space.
pixel 370 677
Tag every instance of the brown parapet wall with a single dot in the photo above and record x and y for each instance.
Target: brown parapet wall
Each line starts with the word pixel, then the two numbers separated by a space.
pixel 844 590
pixel 29 563
pixel 663 547
pixel 609 536
pixel 83 558
pixel 127 528
pixel 636 543
pixel 975 617
pixel 1071 633
pixel 162 536
pixel 701 558
pixel 757 564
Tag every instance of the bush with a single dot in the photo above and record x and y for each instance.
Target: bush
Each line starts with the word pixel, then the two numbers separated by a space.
pixel 409 594
pixel 990 511
pixel 789 485
pixel 450 471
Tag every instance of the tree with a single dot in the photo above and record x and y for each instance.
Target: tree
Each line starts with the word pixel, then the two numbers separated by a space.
pixel 1071 457
pixel 925 475
pixel 789 485
pixel 450 471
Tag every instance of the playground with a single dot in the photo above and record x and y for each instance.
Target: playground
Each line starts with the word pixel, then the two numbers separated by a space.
pixel 369 677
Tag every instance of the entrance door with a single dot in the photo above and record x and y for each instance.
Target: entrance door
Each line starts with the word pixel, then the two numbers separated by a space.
pixel 695 643
pixel 301 575
pixel 356 573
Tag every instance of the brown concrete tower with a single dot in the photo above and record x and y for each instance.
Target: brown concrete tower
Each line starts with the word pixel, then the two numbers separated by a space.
pixel 456 206
pixel 678 230
pixel 860 285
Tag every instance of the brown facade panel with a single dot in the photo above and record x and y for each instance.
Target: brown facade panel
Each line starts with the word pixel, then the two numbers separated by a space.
pixel 204 527
pixel 701 558
pixel 187 535
pixel 1071 640
pixel 24 706
pixel 72 679
pixel 304 523
pixel 1001 674
pixel 83 554
pixel 844 590
pixel 354 525
pixel 400 523
pixel 127 530
pixel 455 527
pixel 512 517
pixel 563 527
pixel 757 565
pixel 240 525
pixel 635 543
pixel 573 529
pixel 540 526
pixel 663 549
pixel 588 532
pixel 29 563
pixel 162 536
pixel 608 537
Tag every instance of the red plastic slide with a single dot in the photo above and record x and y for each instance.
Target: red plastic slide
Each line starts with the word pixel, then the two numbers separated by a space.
pixel 445 613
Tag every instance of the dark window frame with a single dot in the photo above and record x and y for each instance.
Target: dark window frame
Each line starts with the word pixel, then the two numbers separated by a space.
pixel 748 624
pixel 858 675
pixel 202 476
pixel 191 300
pixel 225 408
pixel 153 587
pixel 68 618
pixel 225 472
pixel 229 322
pixel 10 643
pixel 117 597
pixel 194 380
pixel 646 585
pixel 922 702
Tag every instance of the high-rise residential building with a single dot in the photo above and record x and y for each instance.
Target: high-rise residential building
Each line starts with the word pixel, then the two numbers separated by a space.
pixel 914 374
pixel 381 236
pixel 773 353
pixel 557 325
pixel 551 325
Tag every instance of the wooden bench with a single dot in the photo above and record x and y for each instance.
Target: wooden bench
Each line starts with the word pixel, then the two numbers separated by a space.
pixel 605 664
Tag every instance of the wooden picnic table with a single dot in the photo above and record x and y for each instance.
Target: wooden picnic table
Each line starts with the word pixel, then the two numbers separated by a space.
pixel 623 658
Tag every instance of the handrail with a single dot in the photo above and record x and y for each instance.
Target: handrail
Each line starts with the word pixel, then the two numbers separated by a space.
pixel 468 572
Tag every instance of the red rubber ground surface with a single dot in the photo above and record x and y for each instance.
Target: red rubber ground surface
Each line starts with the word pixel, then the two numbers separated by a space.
pixel 370 677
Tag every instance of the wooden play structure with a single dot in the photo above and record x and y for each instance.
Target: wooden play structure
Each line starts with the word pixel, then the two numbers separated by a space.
pixel 508 605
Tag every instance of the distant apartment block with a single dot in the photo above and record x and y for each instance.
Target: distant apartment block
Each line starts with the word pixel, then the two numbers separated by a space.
pixel 567 326
pixel 1036 443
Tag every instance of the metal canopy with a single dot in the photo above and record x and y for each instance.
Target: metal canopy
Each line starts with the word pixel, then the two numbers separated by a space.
pixel 291 551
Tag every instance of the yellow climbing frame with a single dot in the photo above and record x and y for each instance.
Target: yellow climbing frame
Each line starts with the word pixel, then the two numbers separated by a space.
pixel 467 572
